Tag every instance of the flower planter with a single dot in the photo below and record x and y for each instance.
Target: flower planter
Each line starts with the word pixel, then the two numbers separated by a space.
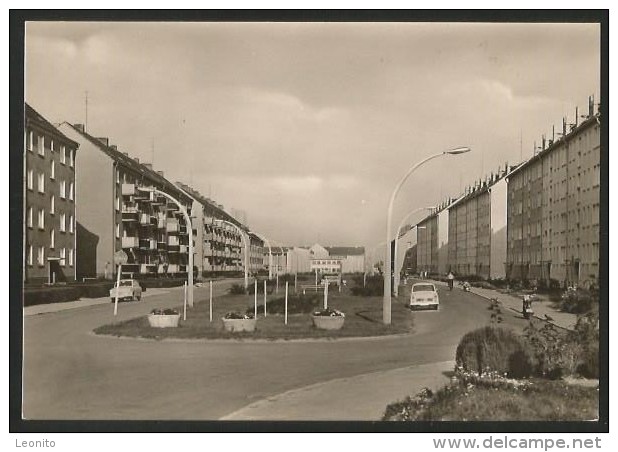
pixel 163 321
pixel 334 322
pixel 238 325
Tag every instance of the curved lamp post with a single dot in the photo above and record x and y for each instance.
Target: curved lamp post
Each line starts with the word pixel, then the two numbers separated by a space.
pixel 386 304
pixel 396 275
pixel 189 228
pixel 245 243
pixel 270 254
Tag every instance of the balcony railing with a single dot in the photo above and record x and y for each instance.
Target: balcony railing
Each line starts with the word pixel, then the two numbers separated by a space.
pixel 173 241
pixel 184 249
pixel 149 244
pixel 172 225
pixel 128 189
pixel 130 242
pixel 173 268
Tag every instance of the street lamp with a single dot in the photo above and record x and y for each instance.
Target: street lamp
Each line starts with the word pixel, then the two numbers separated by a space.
pixel 246 243
pixel 189 228
pixel 396 288
pixel 386 304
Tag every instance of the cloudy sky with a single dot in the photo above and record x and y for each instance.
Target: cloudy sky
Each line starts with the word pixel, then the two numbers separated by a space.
pixel 308 127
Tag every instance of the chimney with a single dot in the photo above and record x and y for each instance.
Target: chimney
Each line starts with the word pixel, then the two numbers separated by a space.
pixel 126 154
pixel 136 159
pixel 104 140
pixel 114 147
pixel 80 127
pixel 148 165
pixel 160 173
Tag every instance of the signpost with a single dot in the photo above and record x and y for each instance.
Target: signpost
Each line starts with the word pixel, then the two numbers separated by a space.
pixel 264 298
pixel 120 258
pixel 326 294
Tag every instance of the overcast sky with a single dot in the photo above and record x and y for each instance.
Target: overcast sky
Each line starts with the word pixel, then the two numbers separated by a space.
pixel 308 127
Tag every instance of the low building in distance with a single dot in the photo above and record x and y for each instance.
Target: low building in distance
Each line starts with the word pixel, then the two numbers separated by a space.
pixel 337 259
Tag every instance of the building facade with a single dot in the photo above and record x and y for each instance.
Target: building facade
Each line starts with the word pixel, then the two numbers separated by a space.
pixel 427 245
pixel 119 210
pixel 477 230
pixel 50 197
pixel 554 210
pixel 219 246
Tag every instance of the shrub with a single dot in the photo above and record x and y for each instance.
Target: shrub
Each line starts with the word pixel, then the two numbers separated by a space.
pixel 495 349
pixel 589 367
pixel 297 304
pixel 578 301
pixel 556 355
pixel 237 289
pixel 46 295
pixel 374 286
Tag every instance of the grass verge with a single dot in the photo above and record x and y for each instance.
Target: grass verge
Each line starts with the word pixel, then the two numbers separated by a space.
pixel 363 318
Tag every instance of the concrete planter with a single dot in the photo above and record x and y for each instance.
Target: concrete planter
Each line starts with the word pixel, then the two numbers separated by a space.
pixel 328 322
pixel 163 321
pixel 239 325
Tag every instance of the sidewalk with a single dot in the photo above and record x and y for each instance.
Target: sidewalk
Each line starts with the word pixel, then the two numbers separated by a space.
pixel 359 398
pixel 513 303
pixel 81 303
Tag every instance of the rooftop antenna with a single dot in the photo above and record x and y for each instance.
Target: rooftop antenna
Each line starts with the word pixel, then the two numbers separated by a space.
pixel 86 120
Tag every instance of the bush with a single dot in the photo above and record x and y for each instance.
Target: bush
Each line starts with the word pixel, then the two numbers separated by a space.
pixel 237 289
pixel 495 349
pixel 556 355
pixel 46 295
pixel 589 367
pixel 578 301
pixel 297 304
pixel 374 286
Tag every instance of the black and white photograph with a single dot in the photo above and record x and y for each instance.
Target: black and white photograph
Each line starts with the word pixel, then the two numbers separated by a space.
pixel 275 220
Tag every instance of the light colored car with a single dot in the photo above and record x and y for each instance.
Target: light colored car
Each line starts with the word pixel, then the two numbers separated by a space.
pixel 424 295
pixel 129 290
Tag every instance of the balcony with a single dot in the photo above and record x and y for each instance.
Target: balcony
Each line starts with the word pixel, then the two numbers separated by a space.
pixel 129 213
pixel 147 268
pixel 144 194
pixel 146 219
pixel 148 244
pixel 128 189
pixel 162 246
pixel 130 242
pixel 173 268
pixel 184 249
pixel 172 225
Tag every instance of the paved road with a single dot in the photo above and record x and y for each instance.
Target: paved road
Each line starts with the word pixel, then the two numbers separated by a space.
pixel 69 373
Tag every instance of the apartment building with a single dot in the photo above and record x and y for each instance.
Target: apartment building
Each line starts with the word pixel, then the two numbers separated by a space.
pixel 219 246
pixel 49 201
pixel 119 210
pixel 427 246
pixel 337 259
pixel 554 209
pixel 256 253
pixel 477 229
pixel 298 260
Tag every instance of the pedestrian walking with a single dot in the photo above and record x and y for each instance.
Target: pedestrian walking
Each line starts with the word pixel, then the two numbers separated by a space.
pixel 451 279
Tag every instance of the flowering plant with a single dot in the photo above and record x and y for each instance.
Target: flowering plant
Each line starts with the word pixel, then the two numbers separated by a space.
pixel 161 311
pixel 329 312
pixel 235 315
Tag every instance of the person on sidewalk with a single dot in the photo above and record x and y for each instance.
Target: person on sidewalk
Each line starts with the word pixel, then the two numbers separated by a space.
pixel 451 280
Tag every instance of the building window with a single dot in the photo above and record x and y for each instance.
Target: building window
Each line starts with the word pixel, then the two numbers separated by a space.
pixel 30 179
pixel 63 256
pixel 41 182
pixel 29 140
pixel 63 219
pixel 71 186
pixel 42 219
pixel 52 207
pixel 51 145
pixel 71 158
pixel 63 156
pixel 52 239
pixel 117 230
pixel 71 224
pixel 29 220
pixel 63 189
pixel 29 258
pixel 117 203
pixel 41 256
pixel 117 176
pixel 41 145
pixel 70 257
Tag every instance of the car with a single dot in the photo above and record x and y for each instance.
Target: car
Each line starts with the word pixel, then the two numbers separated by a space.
pixel 424 295
pixel 129 289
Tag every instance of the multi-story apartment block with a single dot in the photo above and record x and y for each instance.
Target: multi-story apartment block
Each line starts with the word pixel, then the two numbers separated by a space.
pixel 477 230
pixel 427 243
pixel 49 202
pixel 218 245
pixel 120 211
pixel 256 253
pixel 553 209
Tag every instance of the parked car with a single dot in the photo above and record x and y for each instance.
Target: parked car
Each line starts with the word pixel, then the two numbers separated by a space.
pixel 129 290
pixel 424 295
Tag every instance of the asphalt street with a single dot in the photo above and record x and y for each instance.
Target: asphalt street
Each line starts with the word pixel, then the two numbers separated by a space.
pixel 72 374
